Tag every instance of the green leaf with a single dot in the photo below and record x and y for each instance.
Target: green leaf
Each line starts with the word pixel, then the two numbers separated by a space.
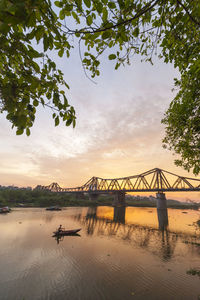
pixel 105 14
pixel 112 56
pixel 117 66
pixel 87 3
pixel 58 3
pixel 19 131
pixel 35 102
pixel 106 34
pixel 99 7
pixel 89 20
pixel 136 32
pixel 60 52
pixel 57 121
pixel 111 5
pixel 28 131
pixel 36 66
pixel 62 14
pixel 39 33
pixel 69 121
pixel 74 123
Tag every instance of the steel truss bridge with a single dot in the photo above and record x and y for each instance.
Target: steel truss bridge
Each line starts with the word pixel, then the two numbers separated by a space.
pixel 155 180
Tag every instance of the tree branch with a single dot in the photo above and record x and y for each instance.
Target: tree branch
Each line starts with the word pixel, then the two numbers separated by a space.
pixel 186 10
pixel 145 9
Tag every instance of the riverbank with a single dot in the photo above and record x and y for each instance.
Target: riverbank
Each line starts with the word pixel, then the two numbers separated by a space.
pixel 35 198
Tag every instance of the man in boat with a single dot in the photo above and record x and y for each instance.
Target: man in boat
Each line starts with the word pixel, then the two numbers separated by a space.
pixel 60 229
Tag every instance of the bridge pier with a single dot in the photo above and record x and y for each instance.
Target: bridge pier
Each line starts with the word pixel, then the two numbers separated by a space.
pixel 119 199
pixel 119 214
pixel 161 201
pixel 93 196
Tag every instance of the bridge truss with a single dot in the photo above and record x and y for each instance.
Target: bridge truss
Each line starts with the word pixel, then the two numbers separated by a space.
pixel 155 180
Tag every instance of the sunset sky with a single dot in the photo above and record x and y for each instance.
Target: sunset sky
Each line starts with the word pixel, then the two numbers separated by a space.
pixel 118 131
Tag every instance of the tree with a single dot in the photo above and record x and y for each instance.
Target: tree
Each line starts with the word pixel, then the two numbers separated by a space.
pixel 182 121
pixel 28 76
pixel 168 28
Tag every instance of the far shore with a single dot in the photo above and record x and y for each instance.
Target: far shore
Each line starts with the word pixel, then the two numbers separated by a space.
pixel 35 198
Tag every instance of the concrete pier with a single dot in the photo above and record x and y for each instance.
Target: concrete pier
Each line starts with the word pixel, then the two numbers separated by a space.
pixel 161 201
pixel 119 199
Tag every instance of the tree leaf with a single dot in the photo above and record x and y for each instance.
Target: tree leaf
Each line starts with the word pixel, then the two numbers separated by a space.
pixel 19 131
pixel 28 131
pixel 89 20
pixel 87 3
pixel 57 121
pixel 112 56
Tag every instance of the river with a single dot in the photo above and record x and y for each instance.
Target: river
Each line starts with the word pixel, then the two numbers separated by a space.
pixel 120 253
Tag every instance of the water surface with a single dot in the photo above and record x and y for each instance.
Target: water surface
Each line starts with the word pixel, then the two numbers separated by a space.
pixel 121 253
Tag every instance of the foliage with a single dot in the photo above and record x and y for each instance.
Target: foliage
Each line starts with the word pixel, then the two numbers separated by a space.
pixel 181 46
pixel 27 76
pixel 182 121
pixel 169 28
pixel 41 198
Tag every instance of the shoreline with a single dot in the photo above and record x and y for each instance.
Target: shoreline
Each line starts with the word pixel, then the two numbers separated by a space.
pixel 95 204
pixel 35 198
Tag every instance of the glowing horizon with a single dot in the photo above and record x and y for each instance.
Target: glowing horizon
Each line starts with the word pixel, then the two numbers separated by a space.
pixel 118 132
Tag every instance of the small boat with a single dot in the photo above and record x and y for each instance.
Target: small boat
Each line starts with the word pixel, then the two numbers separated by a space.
pixel 66 232
pixel 54 208
pixel 5 210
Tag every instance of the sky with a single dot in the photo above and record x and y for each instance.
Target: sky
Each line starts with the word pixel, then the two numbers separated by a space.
pixel 118 132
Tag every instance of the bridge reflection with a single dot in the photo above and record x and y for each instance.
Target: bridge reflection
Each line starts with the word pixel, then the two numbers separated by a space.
pixel 156 239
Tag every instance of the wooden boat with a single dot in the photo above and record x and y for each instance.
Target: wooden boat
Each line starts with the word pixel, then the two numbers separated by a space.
pixel 5 210
pixel 54 208
pixel 66 232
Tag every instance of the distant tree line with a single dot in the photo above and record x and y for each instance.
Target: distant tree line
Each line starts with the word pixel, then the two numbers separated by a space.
pixel 42 198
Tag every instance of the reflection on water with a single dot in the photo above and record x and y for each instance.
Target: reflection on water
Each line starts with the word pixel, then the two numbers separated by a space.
pixel 60 238
pixel 158 239
pixel 122 253
pixel 119 214
pixel 162 219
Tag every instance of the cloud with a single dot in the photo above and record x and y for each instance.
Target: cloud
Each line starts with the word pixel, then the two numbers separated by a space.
pixel 109 143
pixel 118 131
